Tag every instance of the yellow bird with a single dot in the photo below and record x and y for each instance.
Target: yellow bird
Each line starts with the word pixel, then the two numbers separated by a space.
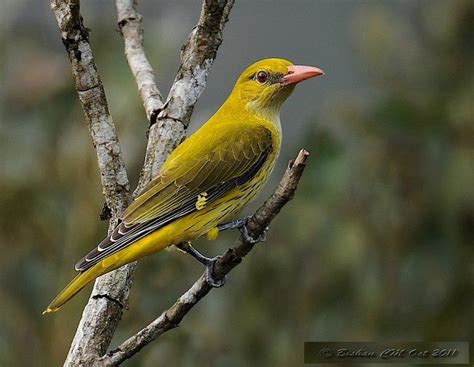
pixel 206 180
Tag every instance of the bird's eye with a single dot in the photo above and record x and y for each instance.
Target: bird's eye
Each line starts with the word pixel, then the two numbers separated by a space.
pixel 261 76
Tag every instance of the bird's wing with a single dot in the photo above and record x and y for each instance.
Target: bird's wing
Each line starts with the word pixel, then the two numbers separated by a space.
pixel 201 170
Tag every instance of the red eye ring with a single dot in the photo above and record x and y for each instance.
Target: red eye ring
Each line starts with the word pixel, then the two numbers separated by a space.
pixel 261 76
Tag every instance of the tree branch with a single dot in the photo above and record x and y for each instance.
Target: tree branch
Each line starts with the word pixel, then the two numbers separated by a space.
pixel 94 331
pixel 257 224
pixel 197 56
pixel 130 25
pixel 91 93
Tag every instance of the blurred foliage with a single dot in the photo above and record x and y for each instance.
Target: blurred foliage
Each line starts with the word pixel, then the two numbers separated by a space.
pixel 377 244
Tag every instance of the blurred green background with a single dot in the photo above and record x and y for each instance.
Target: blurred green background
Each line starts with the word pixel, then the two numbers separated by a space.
pixel 377 244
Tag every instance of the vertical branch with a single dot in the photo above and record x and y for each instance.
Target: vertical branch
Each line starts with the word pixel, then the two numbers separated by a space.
pixel 110 292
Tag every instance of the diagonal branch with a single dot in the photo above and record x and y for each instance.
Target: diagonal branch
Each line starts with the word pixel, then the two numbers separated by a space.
pixel 170 120
pixel 197 56
pixel 257 224
pixel 130 25
pixel 94 332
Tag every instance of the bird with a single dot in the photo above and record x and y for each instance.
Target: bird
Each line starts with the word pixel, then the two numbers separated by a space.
pixel 209 178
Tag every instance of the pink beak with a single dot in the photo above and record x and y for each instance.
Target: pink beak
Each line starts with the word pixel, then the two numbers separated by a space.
pixel 298 73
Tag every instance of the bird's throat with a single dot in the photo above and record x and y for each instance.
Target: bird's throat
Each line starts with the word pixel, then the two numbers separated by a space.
pixel 270 113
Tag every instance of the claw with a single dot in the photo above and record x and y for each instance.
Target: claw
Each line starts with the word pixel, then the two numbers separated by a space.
pixel 216 283
pixel 248 238
pixel 263 236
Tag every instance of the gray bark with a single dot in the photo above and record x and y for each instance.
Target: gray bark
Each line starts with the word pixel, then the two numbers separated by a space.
pixel 110 292
pixel 130 24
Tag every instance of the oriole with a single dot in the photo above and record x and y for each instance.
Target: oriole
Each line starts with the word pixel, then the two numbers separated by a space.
pixel 206 180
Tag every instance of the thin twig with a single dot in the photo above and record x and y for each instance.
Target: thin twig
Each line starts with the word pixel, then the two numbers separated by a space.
pixel 257 224
pixel 94 334
pixel 130 25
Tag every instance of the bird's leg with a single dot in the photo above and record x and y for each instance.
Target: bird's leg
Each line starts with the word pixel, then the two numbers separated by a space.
pixel 206 261
pixel 234 224
pixel 241 225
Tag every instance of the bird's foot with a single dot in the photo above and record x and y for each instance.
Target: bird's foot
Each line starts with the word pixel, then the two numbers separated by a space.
pixel 244 232
pixel 210 279
pixel 208 262
pixel 241 225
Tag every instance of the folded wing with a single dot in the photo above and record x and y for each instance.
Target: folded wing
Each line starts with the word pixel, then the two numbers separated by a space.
pixel 206 165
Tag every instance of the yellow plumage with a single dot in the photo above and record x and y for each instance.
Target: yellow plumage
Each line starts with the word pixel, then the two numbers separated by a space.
pixel 206 180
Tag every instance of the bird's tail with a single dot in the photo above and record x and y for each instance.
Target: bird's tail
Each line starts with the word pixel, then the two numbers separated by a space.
pixel 79 282
pixel 146 246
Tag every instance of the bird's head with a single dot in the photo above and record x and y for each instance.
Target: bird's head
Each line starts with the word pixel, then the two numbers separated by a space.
pixel 267 83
